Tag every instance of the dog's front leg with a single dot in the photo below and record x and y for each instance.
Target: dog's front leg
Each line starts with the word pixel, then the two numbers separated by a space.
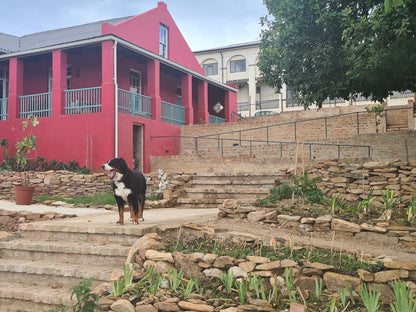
pixel 120 204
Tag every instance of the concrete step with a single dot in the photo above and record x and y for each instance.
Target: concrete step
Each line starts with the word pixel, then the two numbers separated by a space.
pixel 23 297
pixel 52 273
pixel 81 252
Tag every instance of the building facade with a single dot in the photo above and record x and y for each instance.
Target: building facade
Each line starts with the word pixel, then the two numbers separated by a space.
pixel 116 88
pixel 236 64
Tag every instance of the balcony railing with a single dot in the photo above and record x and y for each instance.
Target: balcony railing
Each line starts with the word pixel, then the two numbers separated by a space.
pixel 173 114
pixel 215 120
pixel 83 101
pixel 3 109
pixel 134 104
pixel 38 105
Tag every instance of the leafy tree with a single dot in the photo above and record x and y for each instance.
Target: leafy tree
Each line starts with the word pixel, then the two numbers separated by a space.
pixel 329 48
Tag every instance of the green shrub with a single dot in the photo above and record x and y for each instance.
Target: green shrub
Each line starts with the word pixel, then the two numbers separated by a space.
pixel 283 191
pixel 307 188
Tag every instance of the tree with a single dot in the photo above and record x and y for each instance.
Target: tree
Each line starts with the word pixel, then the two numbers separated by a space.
pixel 329 48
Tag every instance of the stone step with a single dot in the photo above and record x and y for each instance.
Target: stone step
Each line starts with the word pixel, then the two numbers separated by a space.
pixel 53 273
pixel 211 202
pixel 120 235
pixel 208 191
pixel 85 253
pixel 23 297
pixel 233 183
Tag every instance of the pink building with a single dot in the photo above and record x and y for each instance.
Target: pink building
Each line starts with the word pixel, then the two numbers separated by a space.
pixel 106 89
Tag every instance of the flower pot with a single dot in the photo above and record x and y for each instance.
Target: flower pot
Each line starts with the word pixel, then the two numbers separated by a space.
pixel 23 195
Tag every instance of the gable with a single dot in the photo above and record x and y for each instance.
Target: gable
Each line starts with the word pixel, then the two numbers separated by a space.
pixel 143 31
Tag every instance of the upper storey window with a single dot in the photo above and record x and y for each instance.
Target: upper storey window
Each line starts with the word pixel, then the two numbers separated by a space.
pixel 163 41
pixel 211 69
pixel 238 66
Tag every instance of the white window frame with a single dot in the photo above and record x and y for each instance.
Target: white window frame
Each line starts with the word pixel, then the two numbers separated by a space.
pixel 236 66
pixel 211 69
pixel 163 40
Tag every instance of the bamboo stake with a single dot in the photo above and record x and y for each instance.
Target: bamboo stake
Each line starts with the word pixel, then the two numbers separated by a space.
pixel 303 158
pixel 296 167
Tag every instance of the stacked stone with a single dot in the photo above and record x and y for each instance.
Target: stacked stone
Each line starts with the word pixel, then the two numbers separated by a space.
pixel 206 266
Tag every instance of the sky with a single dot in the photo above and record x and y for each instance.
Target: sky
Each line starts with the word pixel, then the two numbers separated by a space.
pixel 204 24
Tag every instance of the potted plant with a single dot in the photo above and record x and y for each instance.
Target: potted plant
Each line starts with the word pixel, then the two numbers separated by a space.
pixel 24 192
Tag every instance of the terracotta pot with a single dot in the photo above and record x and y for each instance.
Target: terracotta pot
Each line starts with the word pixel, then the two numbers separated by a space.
pixel 23 194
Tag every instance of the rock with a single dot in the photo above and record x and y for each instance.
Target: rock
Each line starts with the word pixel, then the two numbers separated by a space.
pixel 307 283
pixel 297 307
pixel 323 219
pixel 401 265
pixel 307 220
pixel 279 264
pixel 160 267
pixel 188 267
pixel 184 305
pixel 209 258
pixel 386 276
pixel 122 305
pixel 335 281
pixel 312 271
pixel 256 216
pixel 376 165
pixel 148 241
pixel 288 218
pixel 167 306
pixel 223 262
pixel 244 237
pixel 232 309
pixel 238 272
pixel 319 266
pixel 212 272
pixel 344 226
pixel 247 266
pixel 159 256
pixel 365 275
pixel 230 204
pixel 145 308
pixel 258 260
pixel 373 228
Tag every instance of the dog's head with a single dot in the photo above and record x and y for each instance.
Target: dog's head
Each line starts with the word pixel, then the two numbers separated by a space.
pixel 117 167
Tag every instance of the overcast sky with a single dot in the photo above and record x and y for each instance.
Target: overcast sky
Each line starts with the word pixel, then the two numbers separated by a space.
pixel 204 24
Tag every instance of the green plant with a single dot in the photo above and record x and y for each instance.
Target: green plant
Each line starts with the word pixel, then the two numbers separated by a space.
pixel 307 188
pixel 242 291
pixel 350 293
pixel 283 191
pixel 119 287
pixel 5 144
pixel 364 205
pixel 290 285
pixel 370 297
pixel 227 280
pixel 187 291
pixel 332 306
pixel 318 288
pixel 389 199
pixel 342 296
pixel 411 210
pixel 25 146
pixel 155 282
pixel 255 283
pixel 86 300
pixel 404 301
pixel 175 278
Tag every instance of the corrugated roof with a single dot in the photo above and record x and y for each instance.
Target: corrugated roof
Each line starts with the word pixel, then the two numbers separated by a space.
pixel 10 43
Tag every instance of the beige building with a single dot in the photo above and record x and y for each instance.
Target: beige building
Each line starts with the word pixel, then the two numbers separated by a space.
pixel 236 64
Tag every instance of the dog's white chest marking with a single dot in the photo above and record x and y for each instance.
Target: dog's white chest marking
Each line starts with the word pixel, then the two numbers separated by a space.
pixel 121 190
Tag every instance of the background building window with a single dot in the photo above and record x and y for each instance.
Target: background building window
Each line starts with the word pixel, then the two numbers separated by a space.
pixel 211 69
pixel 163 41
pixel 238 66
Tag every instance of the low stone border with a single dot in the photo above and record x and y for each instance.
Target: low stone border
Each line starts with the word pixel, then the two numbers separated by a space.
pixel 383 232
pixel 149 250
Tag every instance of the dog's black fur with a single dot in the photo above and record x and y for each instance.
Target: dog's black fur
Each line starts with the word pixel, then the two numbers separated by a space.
pixel 129 187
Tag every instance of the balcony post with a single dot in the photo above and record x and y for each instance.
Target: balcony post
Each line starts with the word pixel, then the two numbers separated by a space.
pixel 59 81
pixel 203 115
pixel 153 86
pixel 186 84
pixel 230 99
pixel 16 67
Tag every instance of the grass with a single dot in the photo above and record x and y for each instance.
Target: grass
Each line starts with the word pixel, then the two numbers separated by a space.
pixel 97 199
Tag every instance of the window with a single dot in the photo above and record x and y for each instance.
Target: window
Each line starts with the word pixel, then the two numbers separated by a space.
pixel 238 66
pixel 292 97
pixel 163 41
pixel 68 78
pixel 135 82
pixel 211 69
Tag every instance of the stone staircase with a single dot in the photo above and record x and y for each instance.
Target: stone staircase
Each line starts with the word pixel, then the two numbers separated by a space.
pixel 208 190
pixel 40 264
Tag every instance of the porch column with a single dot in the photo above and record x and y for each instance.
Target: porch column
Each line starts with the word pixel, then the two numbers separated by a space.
pixel 16 67
pixel 186 83
pixel 153 85
pixel 203 114
pixel 230 105
pixel 59 81
pixel 107 77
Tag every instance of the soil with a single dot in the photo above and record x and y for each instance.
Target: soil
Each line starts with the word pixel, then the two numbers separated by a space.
pixel 328 240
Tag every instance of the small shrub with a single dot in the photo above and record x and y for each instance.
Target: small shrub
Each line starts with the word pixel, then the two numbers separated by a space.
pixel 307 188
pixel 283 191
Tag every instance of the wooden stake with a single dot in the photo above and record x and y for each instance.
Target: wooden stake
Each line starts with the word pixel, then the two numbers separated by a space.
pixel 296 167
pixel 303 158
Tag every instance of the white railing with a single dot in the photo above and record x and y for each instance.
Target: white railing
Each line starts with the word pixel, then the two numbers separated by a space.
pixel 83 101
pixel 39 105
pixel 173 114
pixel 3 109
pixel 134 104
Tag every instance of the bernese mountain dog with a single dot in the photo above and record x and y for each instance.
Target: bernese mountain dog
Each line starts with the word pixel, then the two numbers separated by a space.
pixel 129 187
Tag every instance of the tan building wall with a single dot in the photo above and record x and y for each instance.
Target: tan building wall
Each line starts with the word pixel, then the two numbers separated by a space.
pixel 253 95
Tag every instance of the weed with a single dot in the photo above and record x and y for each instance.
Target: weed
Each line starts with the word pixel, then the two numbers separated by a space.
pixel 411 210
pixel 389 199
pixel 403 298
pixel 307 189
pixel 255 284
pixel 350 293
pixel 364 205
pixel 290 285
pixel 227 280
pixel 187 291
pixel 332 306
pixel 370 298
pixel 175 278
pixel 86 300
pixel 155 282
pixel 119 287
pixel 342 296
pixel 318 288
pixel 242 290
pixel 283 191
